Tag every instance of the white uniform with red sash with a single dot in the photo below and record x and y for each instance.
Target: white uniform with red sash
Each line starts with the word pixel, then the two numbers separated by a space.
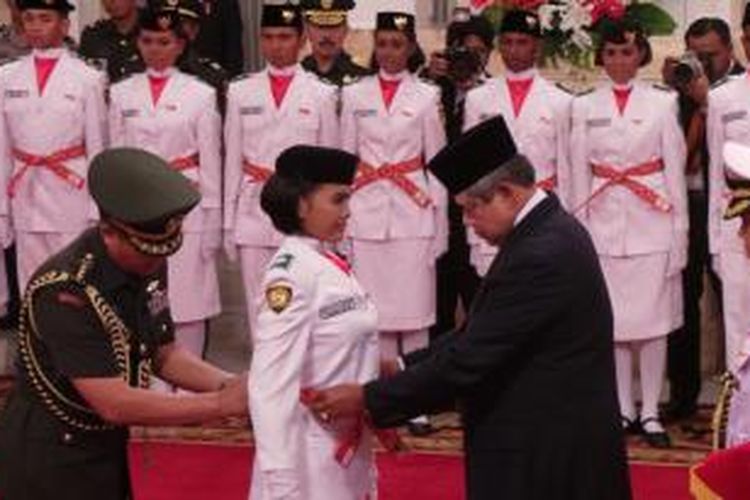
pixel 257 131
pixel 398 224
pixel 174 115
pixel 537 113
pixel 629 189
pixel 317 327
pixel 54 121
pixel 729 120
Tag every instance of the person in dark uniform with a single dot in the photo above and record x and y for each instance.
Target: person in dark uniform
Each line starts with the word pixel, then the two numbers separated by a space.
pixel 112 40
pixel 220 36
pixel 12 42
pixel 95 325
pixel 191 61
pixel 533 369
pixel 326 27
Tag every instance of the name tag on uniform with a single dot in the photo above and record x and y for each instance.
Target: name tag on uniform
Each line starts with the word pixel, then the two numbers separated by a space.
pixel 364 113
pixel 170 107
pixel 16 93
pixel 599 122
pixel 251 110
pixel 305 111
pixel 733 116
pixel 342 306
pixel 130 113
pixel 158 301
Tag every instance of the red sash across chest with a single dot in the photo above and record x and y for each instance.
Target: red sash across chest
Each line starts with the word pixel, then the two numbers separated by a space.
pixel 337 261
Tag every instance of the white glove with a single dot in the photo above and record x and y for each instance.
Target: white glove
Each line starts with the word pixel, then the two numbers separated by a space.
pixel 230 245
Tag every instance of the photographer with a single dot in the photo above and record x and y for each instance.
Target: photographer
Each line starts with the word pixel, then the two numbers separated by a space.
pixel 456 70
pixel 708 61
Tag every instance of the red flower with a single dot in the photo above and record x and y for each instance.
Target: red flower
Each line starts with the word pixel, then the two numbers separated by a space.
pixel 612 9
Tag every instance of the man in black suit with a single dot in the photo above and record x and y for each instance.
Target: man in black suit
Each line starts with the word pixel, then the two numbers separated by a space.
pixel 533 367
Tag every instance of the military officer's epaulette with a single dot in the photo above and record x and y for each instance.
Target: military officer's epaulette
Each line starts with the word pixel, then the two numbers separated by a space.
pixel 283 262
pixel 100 25
pixel 243 76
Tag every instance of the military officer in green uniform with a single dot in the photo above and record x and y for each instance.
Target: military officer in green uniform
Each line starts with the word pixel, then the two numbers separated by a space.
pixel 112 40
pixel 95 325
pixel 326 27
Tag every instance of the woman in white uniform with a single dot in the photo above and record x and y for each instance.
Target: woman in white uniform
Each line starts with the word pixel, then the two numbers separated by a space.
pixel 628 156
pixel 316 327
pixel 391 120
pixel 175 116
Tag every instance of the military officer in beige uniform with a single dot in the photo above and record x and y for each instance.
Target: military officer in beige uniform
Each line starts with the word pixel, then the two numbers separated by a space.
pixel 175 115
pixel 53 116
pixel 267 112
pixel 536 110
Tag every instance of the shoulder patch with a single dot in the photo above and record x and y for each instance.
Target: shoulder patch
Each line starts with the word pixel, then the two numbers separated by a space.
pixel 283 262
pixel 279 295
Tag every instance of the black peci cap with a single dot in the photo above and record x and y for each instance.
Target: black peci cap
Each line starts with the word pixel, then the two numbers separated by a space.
pixel 317 165
pixel 521 21
pixel 57 5
pixel 395 21
pixel 281 16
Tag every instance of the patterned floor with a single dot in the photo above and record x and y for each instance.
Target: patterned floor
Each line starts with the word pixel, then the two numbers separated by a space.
pixel 691 439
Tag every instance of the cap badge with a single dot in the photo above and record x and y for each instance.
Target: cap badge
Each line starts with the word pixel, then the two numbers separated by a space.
pixel 287 16
pixel 164 22
pixel 401 22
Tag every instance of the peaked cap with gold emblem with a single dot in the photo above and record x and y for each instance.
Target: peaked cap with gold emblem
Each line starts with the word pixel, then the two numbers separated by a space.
pixel 326 12
pixel 142 197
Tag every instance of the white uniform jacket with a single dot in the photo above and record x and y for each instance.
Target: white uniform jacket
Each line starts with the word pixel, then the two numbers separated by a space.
pixel 728 120
pixel 184 128
pixel 257 132
pixel 614 157
pixel 316 328
pixel 68 120
pixel 410 130
pixel 541 131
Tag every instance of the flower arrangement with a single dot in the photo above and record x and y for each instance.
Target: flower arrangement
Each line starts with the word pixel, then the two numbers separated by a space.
pixel 570 27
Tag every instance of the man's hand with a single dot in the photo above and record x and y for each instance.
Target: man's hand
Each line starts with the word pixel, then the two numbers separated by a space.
pixel 438 67
pixel 233 396
pixel 341 401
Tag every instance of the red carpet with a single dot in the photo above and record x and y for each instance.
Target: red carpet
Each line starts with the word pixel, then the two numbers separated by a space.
pixel 191 471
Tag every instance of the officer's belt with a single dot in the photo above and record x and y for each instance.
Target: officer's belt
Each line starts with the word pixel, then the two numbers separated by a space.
pixel 256 173
pixel 548 184
pixel 53 162
pixel 396 173
pixel 625 178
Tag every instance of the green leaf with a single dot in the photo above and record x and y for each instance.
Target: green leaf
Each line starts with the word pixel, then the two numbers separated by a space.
pixel 655 20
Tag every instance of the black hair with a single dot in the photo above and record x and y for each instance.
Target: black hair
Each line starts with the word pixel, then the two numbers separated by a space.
pixel 618 32
pixel 479 26
pixel 280 198
pixel 416 60
pixel 705 25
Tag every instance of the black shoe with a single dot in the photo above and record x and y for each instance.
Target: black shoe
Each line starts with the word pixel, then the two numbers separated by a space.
pixel 659 439
pixel 631 427
pixel 420 429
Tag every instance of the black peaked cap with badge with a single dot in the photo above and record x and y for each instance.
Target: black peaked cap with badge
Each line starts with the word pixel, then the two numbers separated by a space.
pixel 192 9
pixel 521 21
pixel 160 20
pixel 395 21
pixel 326 12
pixel 141 196
pixel 478 152
pixel 281 16
pixel 317 164
pixel 56 5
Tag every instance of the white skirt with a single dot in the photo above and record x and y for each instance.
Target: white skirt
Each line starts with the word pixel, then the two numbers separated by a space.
pixel 400 277
pixel 734 269
pixel 193 282
pixel 646 303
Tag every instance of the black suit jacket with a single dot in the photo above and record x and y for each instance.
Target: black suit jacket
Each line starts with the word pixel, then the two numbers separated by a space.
pixel 533 372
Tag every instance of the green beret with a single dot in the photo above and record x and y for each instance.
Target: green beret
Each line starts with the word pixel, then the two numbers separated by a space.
pixel 142 196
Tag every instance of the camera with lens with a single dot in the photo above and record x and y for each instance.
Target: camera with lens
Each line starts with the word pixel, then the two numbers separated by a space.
pixel 463 63
pixel 687 68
